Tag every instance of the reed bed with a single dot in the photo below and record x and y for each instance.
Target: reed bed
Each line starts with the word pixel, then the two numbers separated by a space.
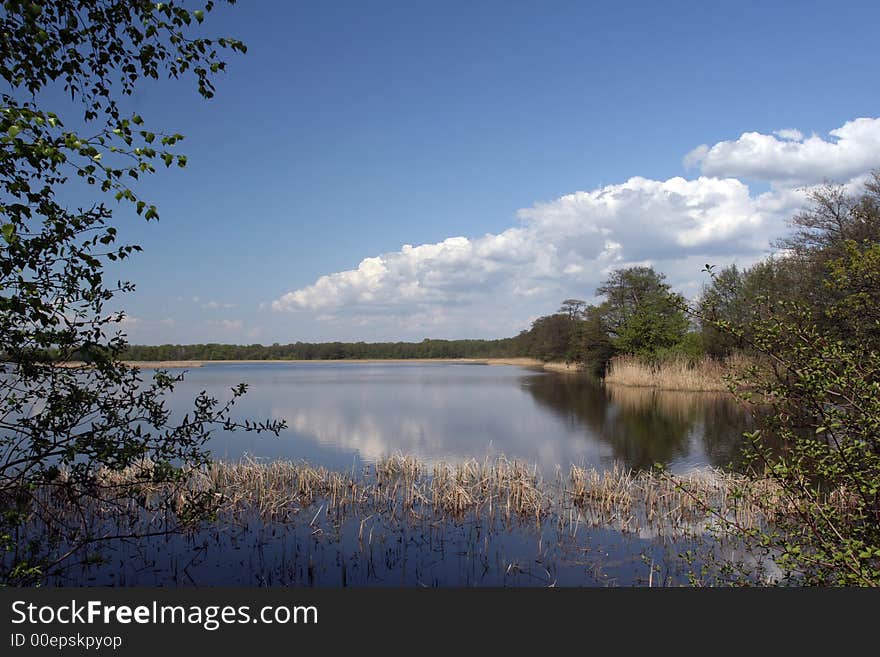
pixel 398 484
pixel 496 488
pixel 682 505
pixel 675 373
pixel 298 524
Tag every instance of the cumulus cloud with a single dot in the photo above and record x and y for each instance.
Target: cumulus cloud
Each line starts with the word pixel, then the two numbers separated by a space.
pixel 787 158
pixel 569 242
pixel 490 284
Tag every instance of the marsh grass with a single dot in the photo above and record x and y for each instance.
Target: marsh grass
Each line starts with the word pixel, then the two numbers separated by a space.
pixel 496 487
pixel 678 504
pixel 674 373
pixel 494 521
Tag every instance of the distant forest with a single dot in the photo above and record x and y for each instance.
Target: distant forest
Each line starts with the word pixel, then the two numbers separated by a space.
pixel 328 350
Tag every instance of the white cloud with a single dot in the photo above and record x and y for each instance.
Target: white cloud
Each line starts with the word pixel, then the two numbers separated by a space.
pixel 789 134
pixel 568 243
pixel 646 218
pixel 790 159
pixel 492 284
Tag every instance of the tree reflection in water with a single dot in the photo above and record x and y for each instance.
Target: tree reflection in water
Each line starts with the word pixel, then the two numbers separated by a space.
pixel 646 426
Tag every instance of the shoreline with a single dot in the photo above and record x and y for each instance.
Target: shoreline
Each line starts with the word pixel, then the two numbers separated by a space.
pixel 654 381
pixel 533 363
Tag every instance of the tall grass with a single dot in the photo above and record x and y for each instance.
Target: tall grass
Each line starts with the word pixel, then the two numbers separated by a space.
pixel 401 485
pixel 673 373
pixel 357 525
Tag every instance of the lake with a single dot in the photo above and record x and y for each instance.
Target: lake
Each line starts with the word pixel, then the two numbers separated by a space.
pixel 344 415
pixel 382 526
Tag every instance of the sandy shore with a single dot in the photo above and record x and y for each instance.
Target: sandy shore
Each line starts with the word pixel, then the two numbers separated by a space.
pixel 518 362
pixel 533 363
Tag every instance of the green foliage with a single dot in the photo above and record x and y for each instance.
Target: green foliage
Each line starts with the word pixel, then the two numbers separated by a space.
pixel 722 300
pixel 550 338
pixel 592 347
pixel 733 296
pixel 640 313
pixel 690 347
pixel 816 379
pixel 820 443
pixel 63 429
pixel 854 280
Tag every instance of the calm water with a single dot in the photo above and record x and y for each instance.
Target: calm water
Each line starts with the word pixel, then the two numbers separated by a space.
pixel 347 414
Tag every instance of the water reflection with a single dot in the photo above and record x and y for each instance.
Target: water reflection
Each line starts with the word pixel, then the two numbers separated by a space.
pixel 644 426
pixel 340 414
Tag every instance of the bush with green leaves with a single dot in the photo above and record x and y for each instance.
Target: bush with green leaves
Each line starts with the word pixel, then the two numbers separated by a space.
pixel 64 430
pixel 817 385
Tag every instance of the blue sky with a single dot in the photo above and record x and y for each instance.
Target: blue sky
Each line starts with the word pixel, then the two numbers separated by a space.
pixel 522 149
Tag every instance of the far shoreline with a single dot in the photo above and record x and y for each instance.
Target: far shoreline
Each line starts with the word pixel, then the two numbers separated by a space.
pixel 532 363
pixel 664 379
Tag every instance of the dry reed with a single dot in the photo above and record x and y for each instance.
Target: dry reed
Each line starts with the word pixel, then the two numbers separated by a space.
pixel 494 489
pixel 401 508
pixel 681 373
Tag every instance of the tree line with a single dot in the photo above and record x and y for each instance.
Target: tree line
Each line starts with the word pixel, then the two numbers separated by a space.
pixel 325 350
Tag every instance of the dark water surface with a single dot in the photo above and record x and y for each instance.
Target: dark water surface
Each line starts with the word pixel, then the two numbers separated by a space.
pixel 342 415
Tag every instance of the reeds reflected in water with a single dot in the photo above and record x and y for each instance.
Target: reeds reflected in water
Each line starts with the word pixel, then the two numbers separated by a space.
pixel 495 522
